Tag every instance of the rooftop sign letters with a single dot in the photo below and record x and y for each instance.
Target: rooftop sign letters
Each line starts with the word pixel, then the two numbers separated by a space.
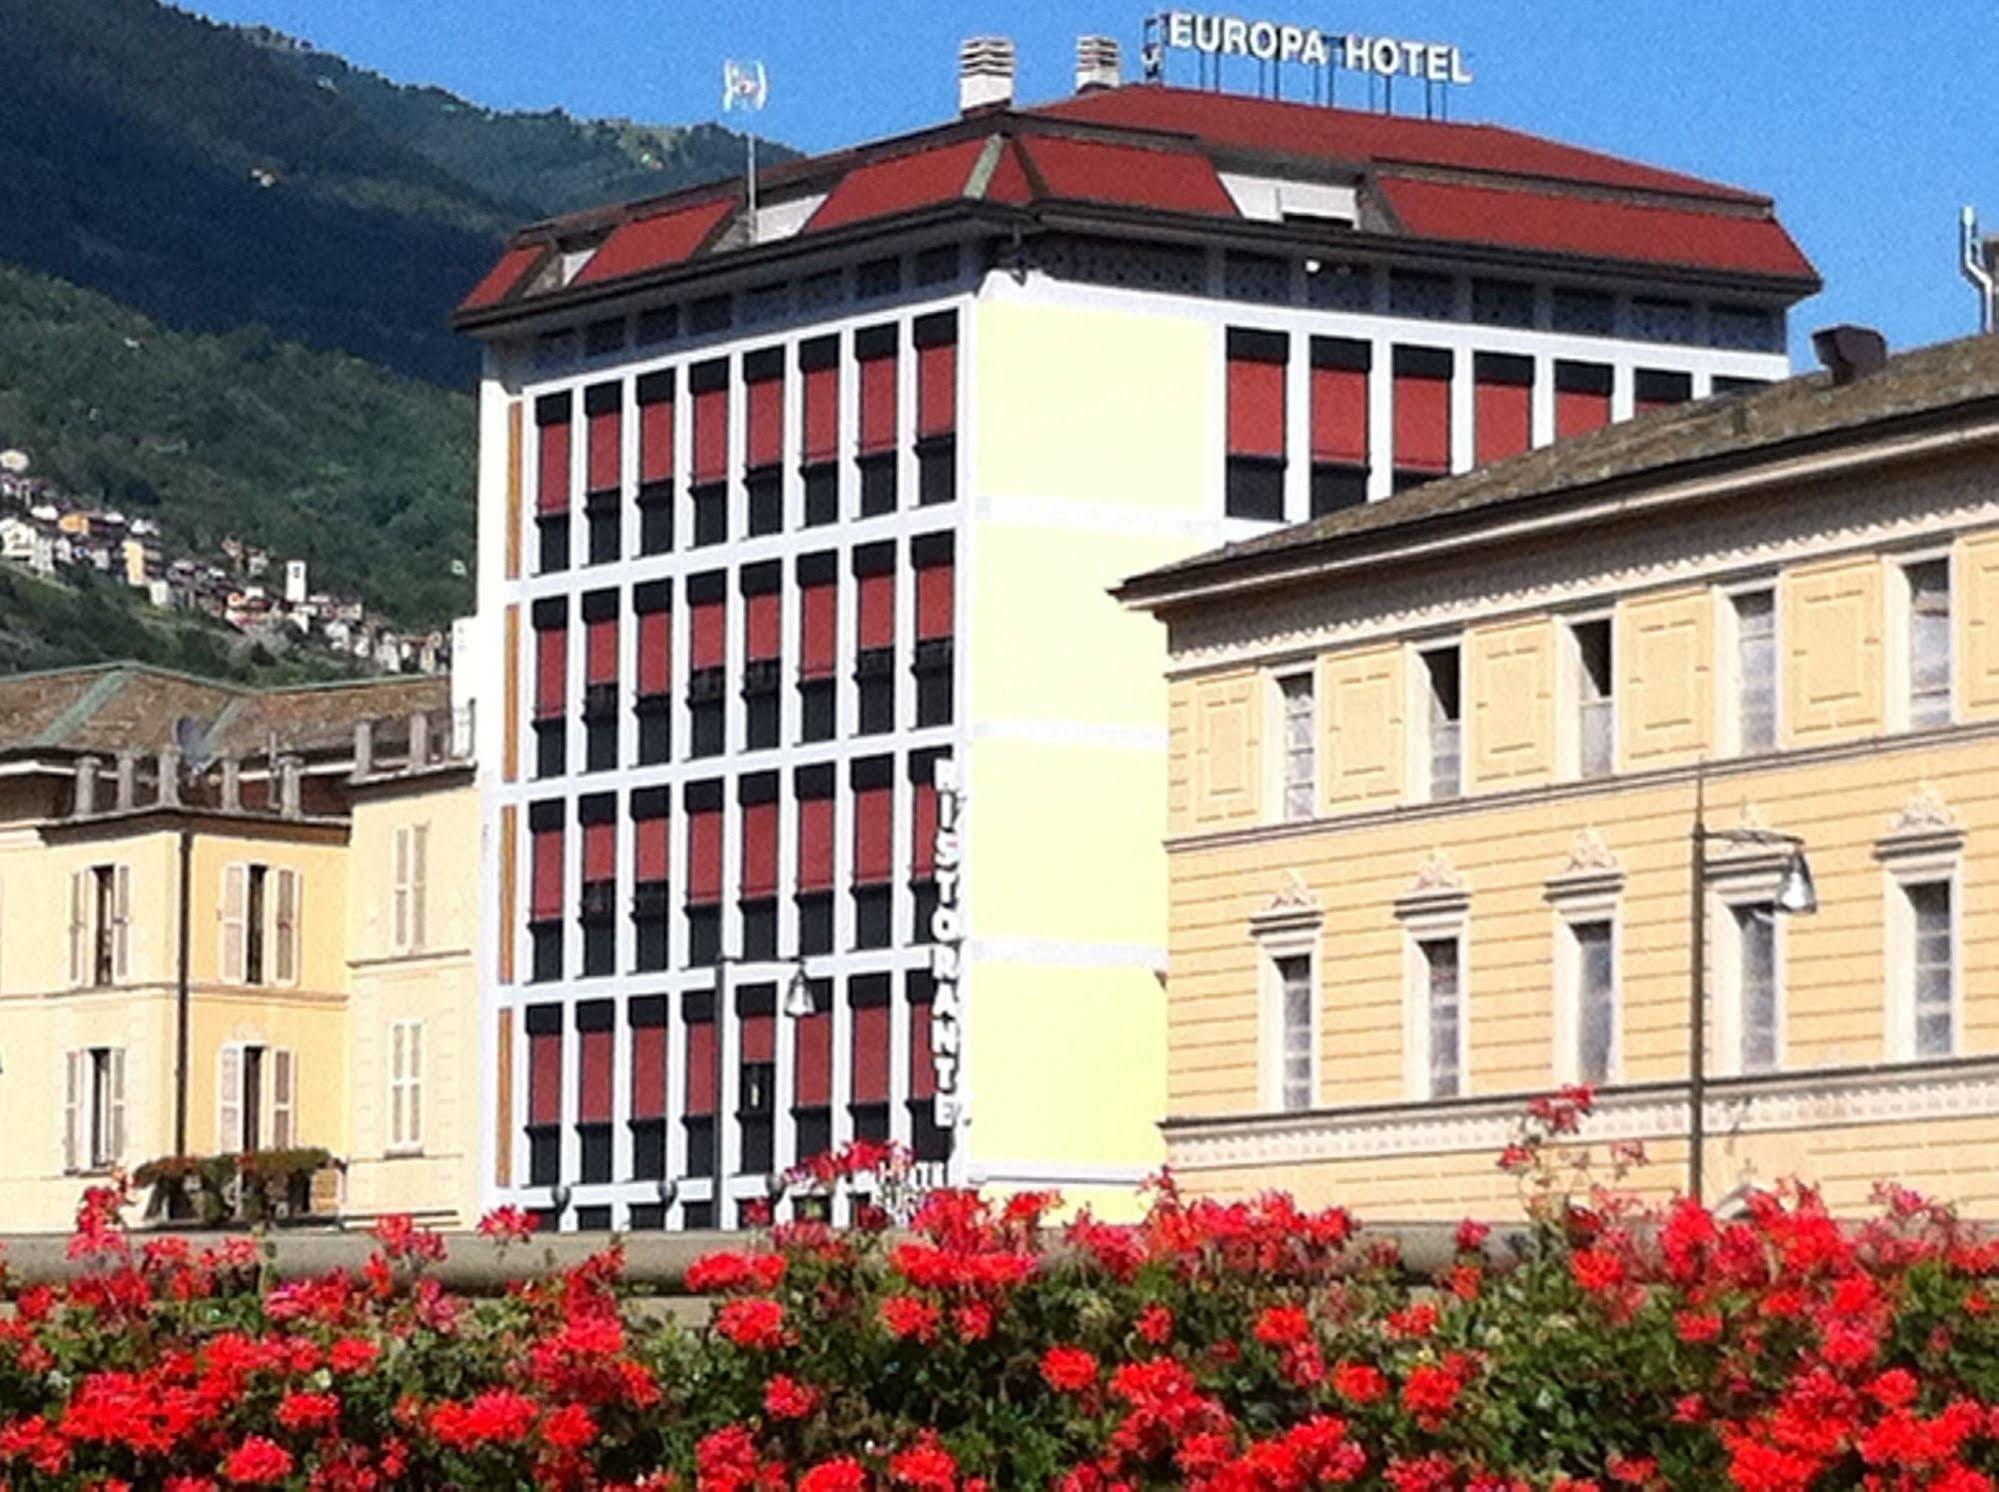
pixel 1273 41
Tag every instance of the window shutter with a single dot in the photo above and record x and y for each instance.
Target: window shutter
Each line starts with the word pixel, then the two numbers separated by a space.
pixel 398 1069
pixel 764 436
pixel 655 431
pixel 704 856
pixel 877 610
pixel 1339 400
pixel 874 853
pixel 711 426
pixel 937 389
pixel 1256 396
pixel 815 844
pixel 707 641
pixel 235 883
pixel 400 898
pixel 878 375
pixel 419 885
pixel 229 1101
pixel 934 601
pixel 552 475
pixel 121 923
pixel 762 627
pixel 282 1104
pixel 819 361
pixel 1423 410
pixel 650 849
pixel 79 923
pixel 551 686
pixel 284 928
pixel 818 625
pixel 72 1114
pixel 759 870
pixel 870 1054
pixel 1582 398
pixel 605 437
pixel 1502 405
pixel 413 1078
pixel 116 1105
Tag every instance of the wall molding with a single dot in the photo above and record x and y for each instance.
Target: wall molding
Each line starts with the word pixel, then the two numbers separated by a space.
pixel 1765 1104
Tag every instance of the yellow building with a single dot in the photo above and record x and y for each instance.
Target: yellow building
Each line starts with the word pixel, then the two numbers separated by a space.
pixel 1437 765
pixel 234 921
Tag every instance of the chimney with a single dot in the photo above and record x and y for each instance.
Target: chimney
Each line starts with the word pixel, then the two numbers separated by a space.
pixel 232 785
pixel 364 748
pixel 419 740
pixel 985 74
pixel 1096 63
pixel 288 787
pixel 167 791
pixel 1849 352
pixel 86 786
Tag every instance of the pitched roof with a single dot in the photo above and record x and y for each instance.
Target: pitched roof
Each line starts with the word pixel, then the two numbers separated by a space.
pixel 1757 424
pixel 116 707
pixel 1159 151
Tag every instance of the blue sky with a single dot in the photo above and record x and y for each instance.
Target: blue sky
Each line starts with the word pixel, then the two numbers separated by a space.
pixel 1869 124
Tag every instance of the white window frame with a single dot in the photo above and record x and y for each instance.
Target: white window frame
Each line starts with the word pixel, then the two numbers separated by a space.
pixel 86 930
pixel 1433 916
pixel 409 895
pixel 232 918
pixel 1416 713
pixel 1736 882
pixel 95 1105
pixel 273 1111
pixel 1569 676
pixel 405 1095
pixel 1283 931
pixel 1728 665
pixel 1910 857
pixel 1277 753
pixel 1900 635
pixel 1580 898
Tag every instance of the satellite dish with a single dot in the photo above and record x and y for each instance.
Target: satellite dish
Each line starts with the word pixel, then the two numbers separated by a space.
pixel 191 736
pixel 14 462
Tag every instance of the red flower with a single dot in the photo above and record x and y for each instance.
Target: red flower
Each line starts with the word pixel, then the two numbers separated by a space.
pixel 786 1398
pixel 1697 1326
pixel 1430 1391
pixel 507 1223
pixel 1472 1236
pixel 974 1321
pixel 1155 1324
pixel 1358 1382
pixel 925 1466
pixel 905 1317
pixel 1068 1370
pixel 569 1428
pixel 257 1462
pixel 841 1474
pixel 756 1323
pixel 1597 1270
pixel 1283 1326
pixel 308 1411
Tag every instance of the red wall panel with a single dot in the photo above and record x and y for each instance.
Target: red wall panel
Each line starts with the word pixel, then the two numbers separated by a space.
pixel 600 651
pixel 1579 411
pixel 923 832
pixel 600 852
pixel 759 1038
pixel 922 1072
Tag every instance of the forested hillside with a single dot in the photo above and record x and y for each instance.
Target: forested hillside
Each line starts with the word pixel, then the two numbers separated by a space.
pixel 226 264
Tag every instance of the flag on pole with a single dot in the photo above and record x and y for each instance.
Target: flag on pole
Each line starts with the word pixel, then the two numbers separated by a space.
pixel 744 85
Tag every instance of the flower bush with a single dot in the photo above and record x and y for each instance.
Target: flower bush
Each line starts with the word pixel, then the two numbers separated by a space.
pixel 1225 1347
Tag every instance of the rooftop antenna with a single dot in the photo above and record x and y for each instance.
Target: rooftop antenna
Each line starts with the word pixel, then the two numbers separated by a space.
pixel 1978 262
pixel 745 86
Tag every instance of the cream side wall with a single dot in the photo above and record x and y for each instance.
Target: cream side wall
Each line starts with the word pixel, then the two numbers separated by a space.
pixel 434 983
pixel 1093 431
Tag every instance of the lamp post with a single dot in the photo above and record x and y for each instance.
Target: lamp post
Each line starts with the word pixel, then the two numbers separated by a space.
pixel 796 1004
pixel 1796 896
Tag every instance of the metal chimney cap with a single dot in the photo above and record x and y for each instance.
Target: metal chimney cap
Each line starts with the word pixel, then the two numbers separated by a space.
pixel 1848 352
pixel 1098 63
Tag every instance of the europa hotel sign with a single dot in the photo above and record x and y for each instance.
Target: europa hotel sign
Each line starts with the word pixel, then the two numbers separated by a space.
pixel 1273 41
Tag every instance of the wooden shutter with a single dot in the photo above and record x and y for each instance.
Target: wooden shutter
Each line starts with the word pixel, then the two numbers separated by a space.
pixel 229 1101
pixel 284 1128
pixel 115 1105
pixel 398 1067
pixel 284 927
pixel 235 897
pixel 419 885
pixel 121 923
pixel 73 1111
pixel 413 1081
pixel 399 900
pixel 79 927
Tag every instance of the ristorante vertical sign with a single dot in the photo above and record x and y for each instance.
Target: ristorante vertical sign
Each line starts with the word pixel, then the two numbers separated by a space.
pixel 1310 46
pixel 947 938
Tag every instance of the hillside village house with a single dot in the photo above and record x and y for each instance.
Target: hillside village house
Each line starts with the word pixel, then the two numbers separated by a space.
pixel 1436 766
pixel 826 780
pixel 266 945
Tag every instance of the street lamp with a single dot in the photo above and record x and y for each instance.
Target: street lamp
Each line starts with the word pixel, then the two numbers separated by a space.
pixel 1796 895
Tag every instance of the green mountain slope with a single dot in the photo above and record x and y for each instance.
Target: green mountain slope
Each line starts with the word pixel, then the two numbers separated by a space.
pixel 313 455
pixel 546 163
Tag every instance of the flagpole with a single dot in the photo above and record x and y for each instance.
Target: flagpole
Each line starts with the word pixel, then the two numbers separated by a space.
pixel 751 136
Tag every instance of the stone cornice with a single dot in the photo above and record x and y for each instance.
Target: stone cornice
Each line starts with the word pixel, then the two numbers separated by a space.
pixel 1765 1103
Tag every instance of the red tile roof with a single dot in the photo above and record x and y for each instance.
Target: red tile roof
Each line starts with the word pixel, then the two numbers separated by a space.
pixel 1147 147
pixel 503 277
pixel 1565 224
pixel 1131 175
pixel 899 184
pixel 655 241
pixel 1358 137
